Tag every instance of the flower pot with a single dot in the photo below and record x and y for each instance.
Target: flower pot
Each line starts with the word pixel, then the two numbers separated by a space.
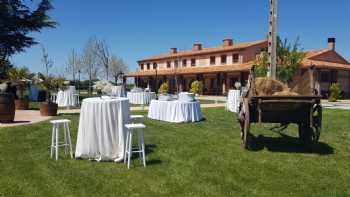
pixel 48 109
pixel 7 108
pixel 22 104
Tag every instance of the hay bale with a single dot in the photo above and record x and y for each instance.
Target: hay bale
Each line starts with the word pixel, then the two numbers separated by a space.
pixel 301 84
pixel 285 93
pixel 266 87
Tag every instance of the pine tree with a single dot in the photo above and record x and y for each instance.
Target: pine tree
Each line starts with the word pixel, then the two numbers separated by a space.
pixel 17 20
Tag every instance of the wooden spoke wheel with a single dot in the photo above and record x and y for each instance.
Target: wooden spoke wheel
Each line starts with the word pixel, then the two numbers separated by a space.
pixel 317 122
pixel 311 134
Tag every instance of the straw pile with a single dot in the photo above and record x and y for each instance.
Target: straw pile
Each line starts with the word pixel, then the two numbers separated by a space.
pixel 267 87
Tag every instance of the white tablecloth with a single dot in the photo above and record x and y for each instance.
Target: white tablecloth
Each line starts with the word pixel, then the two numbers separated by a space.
pixel 175 111
pixel 101 133
pixel 186 96
pixel 118 91
pixel 67 98
pixel 233 98
pixel 141 98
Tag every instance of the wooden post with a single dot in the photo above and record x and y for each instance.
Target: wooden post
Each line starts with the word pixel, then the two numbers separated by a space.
pixel 312 80
pixel 272 40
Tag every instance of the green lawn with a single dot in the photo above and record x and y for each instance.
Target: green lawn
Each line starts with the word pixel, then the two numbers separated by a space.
pixel 199 159
pixel 36 105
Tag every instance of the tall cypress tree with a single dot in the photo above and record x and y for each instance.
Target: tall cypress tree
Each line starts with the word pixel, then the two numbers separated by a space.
pixel 17 20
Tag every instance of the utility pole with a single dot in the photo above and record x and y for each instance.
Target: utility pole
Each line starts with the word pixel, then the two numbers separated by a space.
pixel 272 40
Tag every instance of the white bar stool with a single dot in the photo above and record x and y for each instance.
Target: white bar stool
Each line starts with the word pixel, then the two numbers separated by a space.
pixel 137 118
pixel 55 137
pixel 131 128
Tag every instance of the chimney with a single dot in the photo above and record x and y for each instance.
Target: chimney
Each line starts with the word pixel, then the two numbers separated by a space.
pixel 227 42
pixel 331 43
pixel 197 46
pixel 173 50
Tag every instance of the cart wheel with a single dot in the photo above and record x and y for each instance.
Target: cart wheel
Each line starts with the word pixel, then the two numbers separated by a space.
pixel 308 135
pixel 305 133
pixel 317 122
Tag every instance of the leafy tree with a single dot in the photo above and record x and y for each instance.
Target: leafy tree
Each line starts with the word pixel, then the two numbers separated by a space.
pixel 5 66
pixel 20 77
pixel 17 21
pixel 289 57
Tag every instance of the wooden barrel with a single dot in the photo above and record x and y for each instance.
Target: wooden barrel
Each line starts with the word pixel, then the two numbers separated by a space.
pixel 22 104
pixel 48 109
pixel 7 108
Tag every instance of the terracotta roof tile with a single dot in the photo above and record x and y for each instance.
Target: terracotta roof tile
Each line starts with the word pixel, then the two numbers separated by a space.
pixel 205 51
pixel 326 65
pixel 313 53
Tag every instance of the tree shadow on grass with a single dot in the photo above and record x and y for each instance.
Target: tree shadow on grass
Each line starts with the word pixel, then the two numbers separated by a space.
pixel 288 144
pixel 68 114
pixel 149 148
pixel 15 122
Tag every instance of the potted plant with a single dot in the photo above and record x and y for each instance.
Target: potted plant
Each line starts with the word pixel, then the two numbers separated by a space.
pixel 20 78
pixel 7 104
pixel 197 87
pixel 48 83
pixel 163 92
pixel 335 91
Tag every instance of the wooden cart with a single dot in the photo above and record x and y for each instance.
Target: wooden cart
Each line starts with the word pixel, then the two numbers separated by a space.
pixel 305 111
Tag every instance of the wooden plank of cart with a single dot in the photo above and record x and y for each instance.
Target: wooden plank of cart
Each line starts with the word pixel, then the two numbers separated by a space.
pixel 303 110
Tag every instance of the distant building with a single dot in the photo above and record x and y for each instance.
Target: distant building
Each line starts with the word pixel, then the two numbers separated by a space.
pixel 220 67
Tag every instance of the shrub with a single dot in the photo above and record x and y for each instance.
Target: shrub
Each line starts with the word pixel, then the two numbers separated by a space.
pixel 197 87
pixel 335 91
pixel 164 88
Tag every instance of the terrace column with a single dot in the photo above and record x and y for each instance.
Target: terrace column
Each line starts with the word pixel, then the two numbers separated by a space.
pixel 149 83
pixel 180 82
pixel 241 78
pixel 218 87
pixel 224 78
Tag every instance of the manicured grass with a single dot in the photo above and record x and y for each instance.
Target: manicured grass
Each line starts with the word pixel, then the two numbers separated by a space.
pixel 197 159
pixel 36 105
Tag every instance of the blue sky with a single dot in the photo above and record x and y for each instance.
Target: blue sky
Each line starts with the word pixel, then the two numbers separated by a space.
pixel 135 29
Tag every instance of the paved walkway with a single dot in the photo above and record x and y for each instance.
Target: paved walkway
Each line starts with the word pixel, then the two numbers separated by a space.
pixel 341 104
pixel 24 117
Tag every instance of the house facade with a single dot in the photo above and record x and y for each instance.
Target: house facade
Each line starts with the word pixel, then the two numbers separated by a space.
pixel 219 68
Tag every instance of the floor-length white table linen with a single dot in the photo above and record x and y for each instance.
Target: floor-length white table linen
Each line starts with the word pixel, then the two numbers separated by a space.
pixel 186 96
pixel 118 91
pixel 141 98
pixel 67 98
pixel 175 111
pixel 233 98
pixel 101 133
